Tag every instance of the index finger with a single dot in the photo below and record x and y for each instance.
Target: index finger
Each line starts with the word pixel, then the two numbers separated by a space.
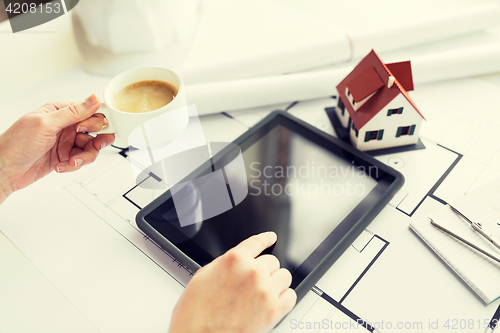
pixel 257 243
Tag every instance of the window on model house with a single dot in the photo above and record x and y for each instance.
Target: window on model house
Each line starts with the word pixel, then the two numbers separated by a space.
pixel 390 112
pixel 405 130
pixel 341 106
pixel 354 128
pixel 374 135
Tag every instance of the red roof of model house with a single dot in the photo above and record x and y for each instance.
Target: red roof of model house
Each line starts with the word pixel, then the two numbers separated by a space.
pixel 383 82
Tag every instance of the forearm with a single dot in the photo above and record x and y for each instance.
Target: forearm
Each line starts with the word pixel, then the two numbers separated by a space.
pixel 5 185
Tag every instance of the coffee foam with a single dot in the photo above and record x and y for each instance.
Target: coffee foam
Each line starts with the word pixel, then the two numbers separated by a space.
pixel 145 96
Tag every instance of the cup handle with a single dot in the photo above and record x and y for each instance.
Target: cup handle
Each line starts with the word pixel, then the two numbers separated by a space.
pixel 110 129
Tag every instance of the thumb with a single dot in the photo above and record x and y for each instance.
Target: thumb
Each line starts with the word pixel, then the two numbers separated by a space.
pixel 74 113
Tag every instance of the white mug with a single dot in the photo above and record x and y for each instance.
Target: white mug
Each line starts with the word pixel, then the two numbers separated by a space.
pixel 151 129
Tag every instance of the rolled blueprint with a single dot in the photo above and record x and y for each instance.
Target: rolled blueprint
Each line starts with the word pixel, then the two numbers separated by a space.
pixel 242 94
pixel 254 92
pixel 342 46
pixel 453 64
pixel 336 49
pixel 425 30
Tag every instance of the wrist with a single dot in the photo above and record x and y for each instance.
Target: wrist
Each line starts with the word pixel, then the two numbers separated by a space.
pixel 192 327
pixel 3 196
pixel 5 184
pixel 5 188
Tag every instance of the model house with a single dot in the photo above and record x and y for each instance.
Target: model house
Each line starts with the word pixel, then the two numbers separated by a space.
pixel 374 104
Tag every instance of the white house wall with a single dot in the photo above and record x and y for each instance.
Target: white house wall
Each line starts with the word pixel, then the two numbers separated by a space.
pixel 344 119
pixel 390 126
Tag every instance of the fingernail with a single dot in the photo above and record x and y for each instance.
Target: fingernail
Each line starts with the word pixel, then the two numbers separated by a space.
pixel 60 168
pixel 78 162
pixel 105 123
pixel 82 129
pixel 273 235
pixel 91 100
pixel 103 145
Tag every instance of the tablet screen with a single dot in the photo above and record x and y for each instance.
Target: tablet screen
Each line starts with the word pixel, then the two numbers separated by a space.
pixel 309 193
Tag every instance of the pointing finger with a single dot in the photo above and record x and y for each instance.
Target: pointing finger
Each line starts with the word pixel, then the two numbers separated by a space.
pixel 257 243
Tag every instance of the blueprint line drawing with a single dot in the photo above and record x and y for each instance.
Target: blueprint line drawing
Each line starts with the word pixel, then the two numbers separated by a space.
pixel 367 267
pixel 432 191
pixel 339 306
pixel 347 272
pixel 123 202
pixel 134 197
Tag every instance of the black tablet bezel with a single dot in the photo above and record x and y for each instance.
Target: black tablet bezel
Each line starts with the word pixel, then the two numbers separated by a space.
pixel 343 235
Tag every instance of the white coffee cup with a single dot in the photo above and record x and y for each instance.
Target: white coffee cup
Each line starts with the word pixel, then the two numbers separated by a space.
pixel 158 127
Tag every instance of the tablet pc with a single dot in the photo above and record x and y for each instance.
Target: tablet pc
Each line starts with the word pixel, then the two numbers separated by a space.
pixel 316 192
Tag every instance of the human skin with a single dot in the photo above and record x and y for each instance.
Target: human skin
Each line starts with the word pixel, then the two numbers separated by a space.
pixel 239 291
pixel 50 138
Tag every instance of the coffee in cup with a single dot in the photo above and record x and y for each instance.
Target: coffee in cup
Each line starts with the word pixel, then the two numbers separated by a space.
pixel 144 96
pixel 147 103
